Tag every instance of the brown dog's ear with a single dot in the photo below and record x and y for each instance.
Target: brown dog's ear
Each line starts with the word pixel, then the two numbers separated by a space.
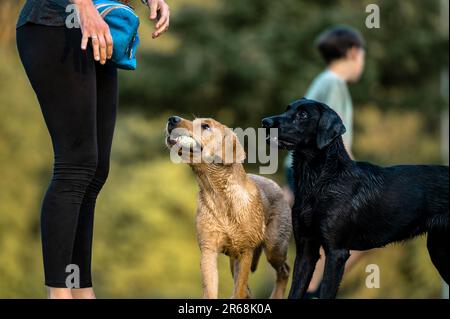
pixel 330 127
pixel 232 150
pixel 239 151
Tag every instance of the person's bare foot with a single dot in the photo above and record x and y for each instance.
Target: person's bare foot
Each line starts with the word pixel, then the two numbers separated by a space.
pixel 83 293
pixel 59 293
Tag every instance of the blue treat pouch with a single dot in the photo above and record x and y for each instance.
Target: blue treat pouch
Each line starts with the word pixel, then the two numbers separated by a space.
pixel 123 25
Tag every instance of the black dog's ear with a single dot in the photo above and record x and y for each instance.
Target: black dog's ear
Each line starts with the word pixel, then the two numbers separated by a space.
pixel 330 127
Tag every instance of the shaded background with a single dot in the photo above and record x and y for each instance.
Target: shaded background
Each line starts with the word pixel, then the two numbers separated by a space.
pixel 237 61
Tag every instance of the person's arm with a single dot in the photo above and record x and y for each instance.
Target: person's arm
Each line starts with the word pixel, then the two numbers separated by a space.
pixel 162 25
pixel 93 26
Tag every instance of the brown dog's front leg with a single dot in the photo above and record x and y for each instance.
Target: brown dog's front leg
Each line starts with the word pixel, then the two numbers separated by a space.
pixel 210 275
pixel 242 272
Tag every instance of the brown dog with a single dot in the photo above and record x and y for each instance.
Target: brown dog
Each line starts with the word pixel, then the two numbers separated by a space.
pixel 238 214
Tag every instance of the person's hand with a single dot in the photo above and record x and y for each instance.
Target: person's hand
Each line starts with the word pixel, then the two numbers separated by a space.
pixel 162 24
pixel 93 26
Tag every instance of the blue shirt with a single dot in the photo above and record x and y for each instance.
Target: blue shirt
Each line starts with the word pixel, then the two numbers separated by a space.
pixel 330 89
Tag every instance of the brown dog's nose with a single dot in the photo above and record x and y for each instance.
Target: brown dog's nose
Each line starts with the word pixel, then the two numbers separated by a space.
pixel 172 122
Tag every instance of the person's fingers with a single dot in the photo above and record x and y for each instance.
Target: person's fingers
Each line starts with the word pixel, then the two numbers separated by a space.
pixel 161 30
pixel 164 16
pixel 102 42
pixel 84 41
pixel 153 9
pixel 96 47
pixel 164 26
pixel 109 44
pixel 161 22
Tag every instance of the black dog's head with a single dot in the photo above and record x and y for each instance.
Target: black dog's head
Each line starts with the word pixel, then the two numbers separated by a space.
pixel 306 123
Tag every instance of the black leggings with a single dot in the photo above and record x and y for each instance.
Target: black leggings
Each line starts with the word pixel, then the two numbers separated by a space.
pixel 78 99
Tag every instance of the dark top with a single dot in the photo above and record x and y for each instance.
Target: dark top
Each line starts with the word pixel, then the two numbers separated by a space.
pixel 46 12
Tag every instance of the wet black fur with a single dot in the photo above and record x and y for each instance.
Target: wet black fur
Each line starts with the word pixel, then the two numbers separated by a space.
pixel 344 205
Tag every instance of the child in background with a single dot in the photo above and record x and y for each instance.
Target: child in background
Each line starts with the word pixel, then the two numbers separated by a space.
pixel 342 48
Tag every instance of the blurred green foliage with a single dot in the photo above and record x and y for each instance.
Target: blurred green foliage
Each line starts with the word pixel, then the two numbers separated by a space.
pixel 236 61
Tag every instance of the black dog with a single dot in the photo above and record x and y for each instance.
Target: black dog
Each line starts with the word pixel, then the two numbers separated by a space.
pixel 345 205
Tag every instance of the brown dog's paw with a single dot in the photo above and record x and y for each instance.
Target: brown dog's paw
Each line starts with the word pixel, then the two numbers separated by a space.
pixel 248 295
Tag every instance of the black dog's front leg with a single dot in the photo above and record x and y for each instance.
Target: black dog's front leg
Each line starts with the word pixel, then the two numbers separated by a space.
pixel 334 270
pixel 305 263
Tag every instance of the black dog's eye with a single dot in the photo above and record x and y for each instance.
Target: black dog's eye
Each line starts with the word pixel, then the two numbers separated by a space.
pixel 302 115
pixel 205 126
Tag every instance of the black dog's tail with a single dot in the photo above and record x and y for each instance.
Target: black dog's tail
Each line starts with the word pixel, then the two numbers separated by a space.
pixel 256 255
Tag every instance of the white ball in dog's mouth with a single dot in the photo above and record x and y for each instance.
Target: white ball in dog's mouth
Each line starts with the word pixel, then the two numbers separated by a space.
pixel 185 141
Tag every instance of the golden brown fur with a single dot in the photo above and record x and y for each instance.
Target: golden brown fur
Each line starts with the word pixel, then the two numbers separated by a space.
pixel 238 214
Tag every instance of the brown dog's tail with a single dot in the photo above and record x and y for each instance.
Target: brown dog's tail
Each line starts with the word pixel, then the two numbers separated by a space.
pixel 256 255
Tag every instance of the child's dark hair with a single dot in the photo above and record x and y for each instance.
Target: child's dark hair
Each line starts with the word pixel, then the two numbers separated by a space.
pixel 334 43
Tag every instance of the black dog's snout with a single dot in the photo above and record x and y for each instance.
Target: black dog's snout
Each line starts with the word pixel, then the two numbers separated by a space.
pixel 172 122
pixel 268 122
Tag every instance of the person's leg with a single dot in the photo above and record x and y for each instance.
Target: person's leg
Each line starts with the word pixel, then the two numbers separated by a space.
pixel 314 286
pixel 313 289
pixel 63 77
pixel 106 118
pixel 59 293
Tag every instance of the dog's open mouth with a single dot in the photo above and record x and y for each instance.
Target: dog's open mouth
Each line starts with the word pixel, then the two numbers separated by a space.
pixel 276 141
pixel 184 141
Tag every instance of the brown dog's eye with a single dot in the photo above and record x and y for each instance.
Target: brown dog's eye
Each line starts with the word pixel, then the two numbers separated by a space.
pixel 205 126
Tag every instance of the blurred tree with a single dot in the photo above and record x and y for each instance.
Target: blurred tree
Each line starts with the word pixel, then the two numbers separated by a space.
pixel 256 56
pixel 8 15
